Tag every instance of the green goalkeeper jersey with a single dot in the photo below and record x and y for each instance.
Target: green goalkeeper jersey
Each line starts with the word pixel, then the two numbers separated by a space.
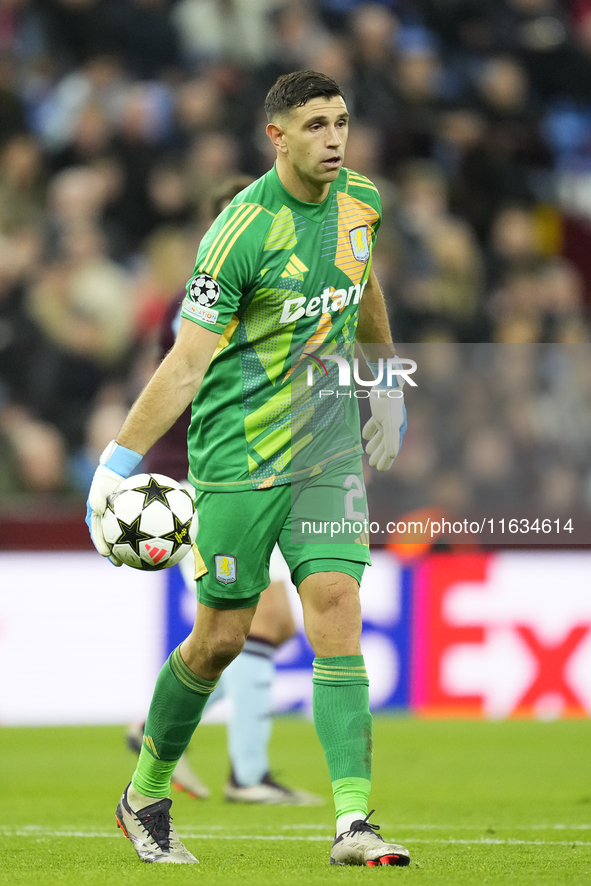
pixel 280 280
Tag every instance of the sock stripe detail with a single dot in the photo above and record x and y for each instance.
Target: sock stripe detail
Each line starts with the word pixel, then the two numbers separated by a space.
pixel 340 671
pixel 351 680
pixel 336 670
pixel 189 679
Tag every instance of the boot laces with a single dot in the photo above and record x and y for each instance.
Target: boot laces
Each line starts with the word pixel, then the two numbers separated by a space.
pixel 158 827
pixel 364 825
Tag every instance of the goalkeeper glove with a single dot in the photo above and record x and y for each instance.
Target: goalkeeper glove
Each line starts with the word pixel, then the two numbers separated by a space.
pixel 115 464
pixel 387 426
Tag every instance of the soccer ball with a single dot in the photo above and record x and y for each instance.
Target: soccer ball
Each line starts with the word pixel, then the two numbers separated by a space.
pixel 150 521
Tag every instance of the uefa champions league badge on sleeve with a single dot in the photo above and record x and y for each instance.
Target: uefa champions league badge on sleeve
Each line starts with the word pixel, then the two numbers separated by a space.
pixel 225 568
pixel 203 293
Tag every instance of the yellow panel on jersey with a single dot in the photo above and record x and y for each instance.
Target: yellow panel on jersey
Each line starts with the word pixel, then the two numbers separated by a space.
pixel 282 233
pixel 356 219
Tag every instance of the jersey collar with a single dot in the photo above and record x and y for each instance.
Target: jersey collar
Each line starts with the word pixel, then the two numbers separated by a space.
pixel 314 211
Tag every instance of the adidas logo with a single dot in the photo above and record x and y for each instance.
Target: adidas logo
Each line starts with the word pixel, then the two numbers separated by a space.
pixel 295 268
pixel 156 554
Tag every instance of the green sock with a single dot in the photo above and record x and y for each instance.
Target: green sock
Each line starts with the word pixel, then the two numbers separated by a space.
pixel 179 698
pixel 344 726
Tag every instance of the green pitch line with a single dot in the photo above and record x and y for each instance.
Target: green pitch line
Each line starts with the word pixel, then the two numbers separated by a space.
pixel 475 802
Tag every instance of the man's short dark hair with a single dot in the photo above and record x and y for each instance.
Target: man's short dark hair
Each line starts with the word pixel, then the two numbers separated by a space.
pixel 294 90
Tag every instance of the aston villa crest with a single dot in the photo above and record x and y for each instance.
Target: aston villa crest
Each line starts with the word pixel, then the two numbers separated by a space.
pixel 359 238
pixel 225 568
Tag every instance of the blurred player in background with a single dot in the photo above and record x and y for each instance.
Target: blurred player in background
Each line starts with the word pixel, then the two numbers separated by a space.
pixel 247 682
pixel 283 271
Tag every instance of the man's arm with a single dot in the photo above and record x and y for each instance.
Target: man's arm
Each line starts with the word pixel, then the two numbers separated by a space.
pixel 386 427
pixel 373 326
pixel 170 390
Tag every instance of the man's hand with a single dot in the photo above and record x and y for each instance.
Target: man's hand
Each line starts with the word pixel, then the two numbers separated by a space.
pixel 386 427
pixel 387 424
pixel 116 463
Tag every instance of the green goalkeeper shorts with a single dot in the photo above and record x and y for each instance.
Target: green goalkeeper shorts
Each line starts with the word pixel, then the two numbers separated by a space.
pixel 321 525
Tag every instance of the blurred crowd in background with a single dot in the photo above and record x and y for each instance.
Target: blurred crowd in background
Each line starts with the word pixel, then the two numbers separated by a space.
pixel 496 430
pixel 120 119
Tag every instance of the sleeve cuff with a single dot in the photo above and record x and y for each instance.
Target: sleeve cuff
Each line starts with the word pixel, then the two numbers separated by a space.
pixel 120 459
pixel 203 317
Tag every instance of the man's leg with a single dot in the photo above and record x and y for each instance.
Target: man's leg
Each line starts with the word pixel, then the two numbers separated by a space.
pixel 247 683
pixel 183 778
pixel 332 618
pixel 182 690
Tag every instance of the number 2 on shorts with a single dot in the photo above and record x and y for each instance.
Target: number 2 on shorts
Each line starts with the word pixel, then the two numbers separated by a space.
pixel 355 487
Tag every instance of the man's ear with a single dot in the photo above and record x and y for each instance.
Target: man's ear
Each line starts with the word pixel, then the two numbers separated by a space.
pixel 277 136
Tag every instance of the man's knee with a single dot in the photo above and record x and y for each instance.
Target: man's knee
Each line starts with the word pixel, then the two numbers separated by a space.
pixel 216 639
pixel 332 613
pixel 326 593
pixel 213 651
pixel 225 646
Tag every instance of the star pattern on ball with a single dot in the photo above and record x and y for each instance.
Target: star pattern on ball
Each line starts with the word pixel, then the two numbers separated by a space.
pixel 154 491
pixel 205 290
pixel 132 535
pixel 179 535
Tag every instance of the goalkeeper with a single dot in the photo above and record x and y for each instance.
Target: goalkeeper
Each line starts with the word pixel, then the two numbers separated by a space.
pixel 247 682
pixel 283 272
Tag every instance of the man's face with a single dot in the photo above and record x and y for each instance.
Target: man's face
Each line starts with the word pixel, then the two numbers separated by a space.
pixel 313 139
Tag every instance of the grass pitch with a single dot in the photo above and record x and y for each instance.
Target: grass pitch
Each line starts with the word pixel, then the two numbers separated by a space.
pixel 475 802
